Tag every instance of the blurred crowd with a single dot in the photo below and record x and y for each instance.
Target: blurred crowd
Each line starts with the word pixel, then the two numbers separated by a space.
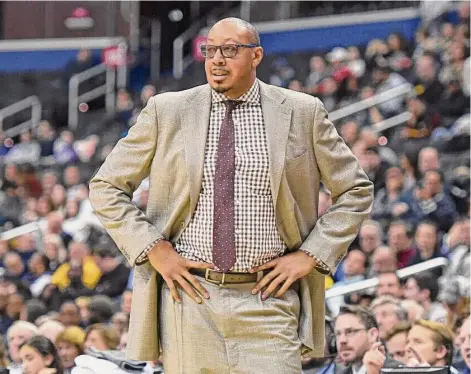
pixel 65 289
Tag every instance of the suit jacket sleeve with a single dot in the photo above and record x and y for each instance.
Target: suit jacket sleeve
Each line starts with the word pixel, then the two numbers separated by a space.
pixel 112 187
pixel 352 193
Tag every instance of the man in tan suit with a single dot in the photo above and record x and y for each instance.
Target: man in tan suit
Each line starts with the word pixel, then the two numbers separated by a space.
pixel 230 256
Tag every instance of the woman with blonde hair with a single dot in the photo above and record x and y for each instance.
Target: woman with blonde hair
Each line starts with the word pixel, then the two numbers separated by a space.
pixel 70 344
pixel 101 337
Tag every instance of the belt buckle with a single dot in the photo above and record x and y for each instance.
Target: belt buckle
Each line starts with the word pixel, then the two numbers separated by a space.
pixel 206 277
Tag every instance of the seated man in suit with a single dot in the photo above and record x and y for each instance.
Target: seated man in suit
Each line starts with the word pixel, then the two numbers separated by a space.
pixel 358 345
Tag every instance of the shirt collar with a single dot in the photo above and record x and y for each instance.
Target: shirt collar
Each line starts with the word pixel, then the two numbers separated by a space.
pixel 251 96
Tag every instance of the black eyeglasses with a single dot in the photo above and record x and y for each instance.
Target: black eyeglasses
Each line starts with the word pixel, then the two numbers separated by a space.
pixel 227 50
pixel 348 332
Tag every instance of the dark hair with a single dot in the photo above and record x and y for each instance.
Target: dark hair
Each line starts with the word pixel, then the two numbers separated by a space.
pixel 427 281
pixel 366 317
pixel 45 347
pixel 405 224
pixel 44 260
pixel 35 308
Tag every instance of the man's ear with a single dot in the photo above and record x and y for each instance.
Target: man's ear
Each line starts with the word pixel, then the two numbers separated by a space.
pixel 373 335
pixel 441 352
pixel 258 56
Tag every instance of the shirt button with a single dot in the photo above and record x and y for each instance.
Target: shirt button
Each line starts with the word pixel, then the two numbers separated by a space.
pixel 237 231
pixel 237 149
pixel 237 202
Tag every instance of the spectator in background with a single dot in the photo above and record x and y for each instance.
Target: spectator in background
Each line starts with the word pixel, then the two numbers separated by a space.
pixel 384 260
pixel 80 275
pixel 17 334
pixel 389 284
pixel 14 266
pixel 69 314
pixel 355 63
pixel 400 241
pixel 371 237
pixel 388 313
pixel 39 353
pixel 356 334
pixel 426 83
pixel 423 287
pixel 349 132
pixel 64 152
pixel 283 73
pixel 83 61
pixel 32 310
pixel 426 244
pixel 429 344
pixel 428 160
pixel 46 138
pixel 396 341
pixel 51 329
pixel 126 299
pixel 70 344
pixel 101 338
pixel 376 168
pixel 465 346
pixel 114 273
pixel 415 310
pixel 384 80
pixel 100 309
pixel 27 150
pixel 40 275
pixel 354 267
pixel 388 203
pixel 318 71
pixel 432 202
pixel 397 57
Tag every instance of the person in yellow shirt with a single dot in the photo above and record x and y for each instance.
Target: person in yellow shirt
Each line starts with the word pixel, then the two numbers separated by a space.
pixel 80 270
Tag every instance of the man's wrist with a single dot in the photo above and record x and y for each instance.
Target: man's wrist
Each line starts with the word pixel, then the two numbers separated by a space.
pixel 143 257
pixel 320 266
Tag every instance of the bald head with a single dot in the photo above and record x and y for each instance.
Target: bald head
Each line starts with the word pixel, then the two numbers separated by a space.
pixel 250 29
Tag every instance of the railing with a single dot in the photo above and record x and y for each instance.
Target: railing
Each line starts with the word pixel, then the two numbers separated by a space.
pixel 20 230
pixel 32 123
pixel 180 62
pixel 114 78
pixel 348 110
pixel 373 282
pixel 391 122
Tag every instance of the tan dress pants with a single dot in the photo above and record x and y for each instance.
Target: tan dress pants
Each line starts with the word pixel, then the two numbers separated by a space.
pixel 233 332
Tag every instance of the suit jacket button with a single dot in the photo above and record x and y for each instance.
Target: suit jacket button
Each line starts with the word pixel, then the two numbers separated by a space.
pixel 182 224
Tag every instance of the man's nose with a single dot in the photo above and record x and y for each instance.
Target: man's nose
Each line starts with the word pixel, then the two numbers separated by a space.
pixel 218 58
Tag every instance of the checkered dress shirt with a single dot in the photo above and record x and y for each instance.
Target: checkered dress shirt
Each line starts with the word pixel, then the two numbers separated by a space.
pixel 256 234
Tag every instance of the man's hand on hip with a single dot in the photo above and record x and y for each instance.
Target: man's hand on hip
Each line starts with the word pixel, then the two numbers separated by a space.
pixel 286 270
pixel 174 269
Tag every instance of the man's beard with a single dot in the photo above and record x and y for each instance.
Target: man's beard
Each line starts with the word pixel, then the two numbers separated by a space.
pixel 221 89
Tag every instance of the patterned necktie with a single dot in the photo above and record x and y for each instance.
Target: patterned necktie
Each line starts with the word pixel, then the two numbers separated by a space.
pixel 224 252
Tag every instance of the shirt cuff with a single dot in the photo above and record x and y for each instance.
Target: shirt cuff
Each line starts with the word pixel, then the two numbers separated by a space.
pixel 142 258
pixel 321 267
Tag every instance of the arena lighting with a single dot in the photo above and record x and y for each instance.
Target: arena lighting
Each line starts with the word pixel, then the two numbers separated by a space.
pixel 175 15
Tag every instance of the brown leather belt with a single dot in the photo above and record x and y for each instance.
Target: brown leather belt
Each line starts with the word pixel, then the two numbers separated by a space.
pixel 219 278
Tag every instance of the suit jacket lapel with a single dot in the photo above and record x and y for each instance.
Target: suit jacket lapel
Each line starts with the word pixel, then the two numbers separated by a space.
pixel 277 120
pixel 195 118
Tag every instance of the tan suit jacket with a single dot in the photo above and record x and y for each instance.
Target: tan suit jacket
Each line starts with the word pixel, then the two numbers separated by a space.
pixel 168 144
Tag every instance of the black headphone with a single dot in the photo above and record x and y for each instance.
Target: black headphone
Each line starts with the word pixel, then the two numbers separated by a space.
pixel 330 336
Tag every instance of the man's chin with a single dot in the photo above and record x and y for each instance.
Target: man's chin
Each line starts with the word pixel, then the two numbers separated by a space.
pixel 219 88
